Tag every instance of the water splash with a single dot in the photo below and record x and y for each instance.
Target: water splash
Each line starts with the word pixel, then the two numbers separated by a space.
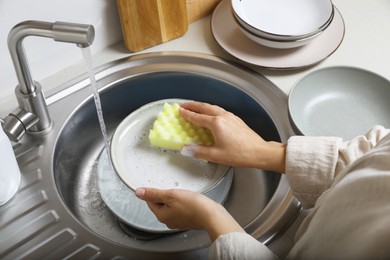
pixel 94 87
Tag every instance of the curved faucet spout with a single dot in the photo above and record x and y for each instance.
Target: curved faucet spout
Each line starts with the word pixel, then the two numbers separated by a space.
pixel 80 34
pixel 32 113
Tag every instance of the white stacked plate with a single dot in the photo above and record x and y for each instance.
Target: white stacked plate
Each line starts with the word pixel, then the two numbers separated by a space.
pixel 228 34
pixel 139 164
pixel 283 20
pixel 134 163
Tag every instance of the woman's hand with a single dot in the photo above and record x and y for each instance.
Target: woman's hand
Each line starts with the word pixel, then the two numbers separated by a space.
pixel 182 209
pixel 235 143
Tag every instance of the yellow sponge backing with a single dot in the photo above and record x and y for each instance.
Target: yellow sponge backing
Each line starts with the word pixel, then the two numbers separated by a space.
pixel 171 131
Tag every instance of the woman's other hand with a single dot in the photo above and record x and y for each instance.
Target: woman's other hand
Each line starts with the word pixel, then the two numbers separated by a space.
pixel 182 209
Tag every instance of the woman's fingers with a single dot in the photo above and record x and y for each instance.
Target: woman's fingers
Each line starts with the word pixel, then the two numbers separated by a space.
pixel 195 118
pixel 157 200
pixel 203 114
pixel 203 108
pixel 208 153
pixel 153 195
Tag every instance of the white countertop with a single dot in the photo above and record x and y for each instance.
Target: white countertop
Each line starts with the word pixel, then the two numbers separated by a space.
pixel 365 45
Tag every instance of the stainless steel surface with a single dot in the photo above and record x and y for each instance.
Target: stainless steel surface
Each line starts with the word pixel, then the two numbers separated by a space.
pixel 29 93
pixel 59 31
pixel 58 211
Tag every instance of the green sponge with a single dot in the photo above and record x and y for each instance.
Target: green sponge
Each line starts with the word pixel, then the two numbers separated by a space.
pixel 171 131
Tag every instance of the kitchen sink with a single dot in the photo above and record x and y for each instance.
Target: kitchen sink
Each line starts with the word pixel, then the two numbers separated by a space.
pixel 58 211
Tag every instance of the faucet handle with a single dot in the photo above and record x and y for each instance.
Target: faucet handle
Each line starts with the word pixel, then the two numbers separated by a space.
pixel 17 123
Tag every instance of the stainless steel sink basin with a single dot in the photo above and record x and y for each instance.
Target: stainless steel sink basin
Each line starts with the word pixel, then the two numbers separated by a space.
pixel 66 216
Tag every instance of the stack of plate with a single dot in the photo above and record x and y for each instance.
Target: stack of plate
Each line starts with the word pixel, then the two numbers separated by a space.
pixel 132 163
pixel 283 24
pixel 232 37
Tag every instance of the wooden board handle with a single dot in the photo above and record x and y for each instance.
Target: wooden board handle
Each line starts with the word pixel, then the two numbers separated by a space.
pixel 146 23
pixel 197 9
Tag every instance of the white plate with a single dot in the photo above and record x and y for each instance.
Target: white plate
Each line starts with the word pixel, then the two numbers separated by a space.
pixel 339 101
pixel 228 35
pixel 139 164
pixel 285 18
pixel 135 212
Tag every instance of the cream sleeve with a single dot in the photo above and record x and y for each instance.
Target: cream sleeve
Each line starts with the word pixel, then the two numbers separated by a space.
pixel 313 163
pixel 239 246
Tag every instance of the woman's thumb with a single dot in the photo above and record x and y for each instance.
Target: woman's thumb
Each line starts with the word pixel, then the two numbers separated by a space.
pixel 140 193
pixel 149 195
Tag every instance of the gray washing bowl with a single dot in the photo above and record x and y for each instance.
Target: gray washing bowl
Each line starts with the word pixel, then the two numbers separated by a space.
pixel 72 220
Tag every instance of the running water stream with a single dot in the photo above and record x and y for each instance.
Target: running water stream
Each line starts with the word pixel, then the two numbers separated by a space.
pixel 94 87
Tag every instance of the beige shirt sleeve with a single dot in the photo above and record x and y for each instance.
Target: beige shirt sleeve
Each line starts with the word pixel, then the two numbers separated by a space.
pixel 239 246
pixel 313 163
pixel 350 219
pixel 337 178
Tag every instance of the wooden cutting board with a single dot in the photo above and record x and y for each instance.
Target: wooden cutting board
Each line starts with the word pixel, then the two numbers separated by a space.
pixel 146 23
pixel 197 9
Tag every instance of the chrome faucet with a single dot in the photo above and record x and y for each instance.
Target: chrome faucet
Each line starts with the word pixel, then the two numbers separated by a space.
pixel 32 114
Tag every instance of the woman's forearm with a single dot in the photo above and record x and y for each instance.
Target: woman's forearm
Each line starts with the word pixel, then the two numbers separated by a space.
pixel 272 157
pixel 220 222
